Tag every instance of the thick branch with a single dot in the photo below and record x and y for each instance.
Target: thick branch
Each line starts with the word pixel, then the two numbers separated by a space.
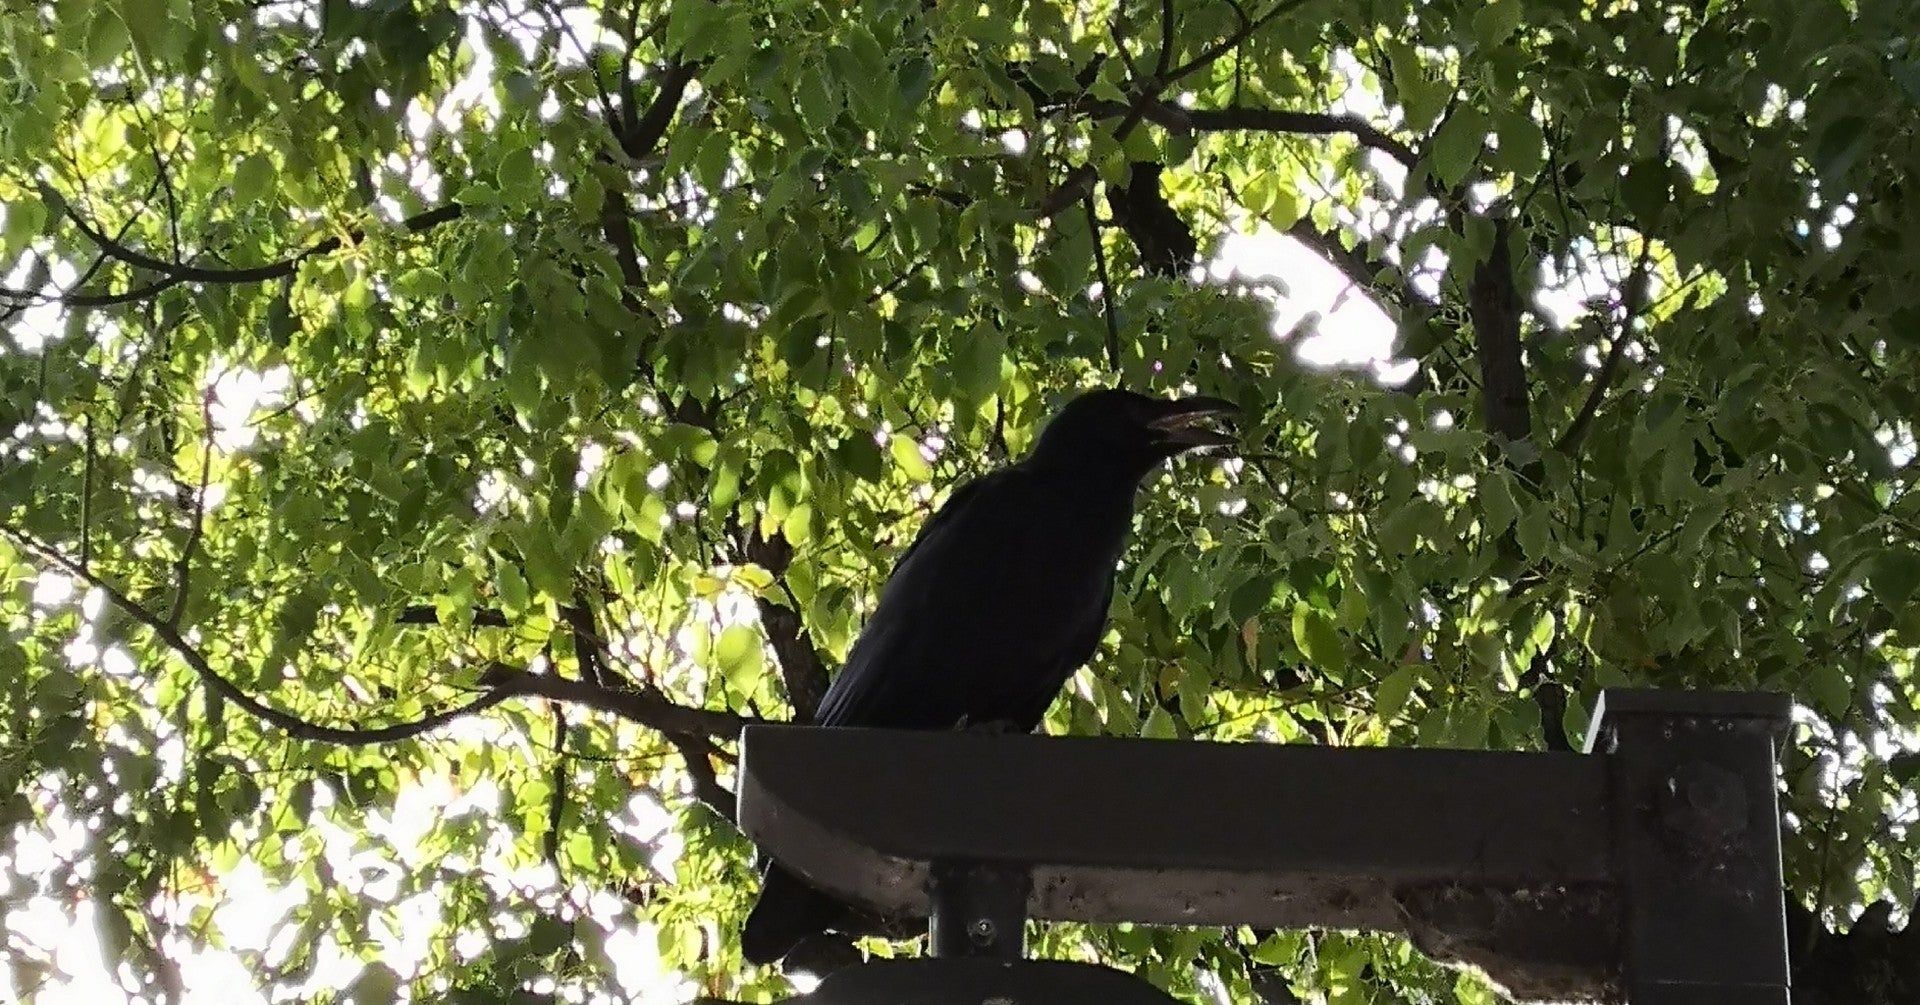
pixel 1165 61
pixel 1495 307
pixel 425 614
pixel 644 135
pixel 1351 263
pixel 646 707
pixel 1165 240
pixel 698 752
pixel 801 668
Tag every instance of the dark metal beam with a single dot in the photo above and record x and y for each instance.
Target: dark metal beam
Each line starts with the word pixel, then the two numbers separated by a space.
pixel 1696 843
pixel 1164 832
pixel 1652 868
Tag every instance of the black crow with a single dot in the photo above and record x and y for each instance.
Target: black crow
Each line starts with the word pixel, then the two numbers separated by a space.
pixel 1001 597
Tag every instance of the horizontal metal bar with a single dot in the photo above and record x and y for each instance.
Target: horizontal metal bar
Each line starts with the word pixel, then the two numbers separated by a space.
pixel 1169 832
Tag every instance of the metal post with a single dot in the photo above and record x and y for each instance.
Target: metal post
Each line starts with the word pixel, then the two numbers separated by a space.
pixel 978 910
pixel 1696 842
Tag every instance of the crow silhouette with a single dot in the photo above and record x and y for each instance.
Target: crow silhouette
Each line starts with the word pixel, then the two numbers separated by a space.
pixel 1001 597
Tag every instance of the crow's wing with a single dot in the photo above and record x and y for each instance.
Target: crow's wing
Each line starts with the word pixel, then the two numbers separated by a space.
pixel 1001 597
pixel 864 685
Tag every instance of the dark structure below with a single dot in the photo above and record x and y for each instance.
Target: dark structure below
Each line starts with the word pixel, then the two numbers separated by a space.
pixel 1646 870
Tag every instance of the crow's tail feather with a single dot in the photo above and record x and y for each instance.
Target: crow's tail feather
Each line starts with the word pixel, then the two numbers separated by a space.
pixel 788 911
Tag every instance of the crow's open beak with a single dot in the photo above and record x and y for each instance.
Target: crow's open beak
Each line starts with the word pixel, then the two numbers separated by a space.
pixel 1185 423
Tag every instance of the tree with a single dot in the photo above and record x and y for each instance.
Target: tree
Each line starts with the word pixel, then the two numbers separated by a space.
pixel 432 433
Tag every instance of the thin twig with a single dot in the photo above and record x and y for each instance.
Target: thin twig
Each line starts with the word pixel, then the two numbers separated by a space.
pixel 1632 302
pixel 1106 286
pixel 86 493
pixel 183 566
pixel 1166 39
pixel 647 708
pixel 1228 44
pixel 1080 179
pixel 179 272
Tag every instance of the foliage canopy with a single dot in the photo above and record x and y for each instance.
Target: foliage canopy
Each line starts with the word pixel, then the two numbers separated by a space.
pixel 505 402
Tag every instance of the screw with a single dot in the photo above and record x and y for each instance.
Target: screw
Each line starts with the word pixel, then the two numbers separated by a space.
pixel 982 931
pixel 1705 800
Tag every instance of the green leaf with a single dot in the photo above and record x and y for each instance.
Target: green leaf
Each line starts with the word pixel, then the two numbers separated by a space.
pixel 798 526
pixel 420 283
pixel 906 453
pixel 1522 142
pixel 1399 531
pixel 107 37
pixel 1497 503
pixel 1071 258
pixel 1645 192
pixel 1270 195
pixel 545 569
pixel 1467 726
pixel 1493 22
pixel 1676 470
pixel 976 366
pixel 1421 93
pixel 1319 641
pixel 819 96
pixel 1840 145
pixel 1391 696
pixel 253 179
pixel 1894 575
pixel 377 984
pixel 1534 530
pixel 1273 951
pixel 680 439
pixel 1159 725
pixel 739 657
pixel 513 590
pixel 518 172
pixel 914 82
pixel 1457 146
pixel 1831 688
pixel 694 21
pixel 26 219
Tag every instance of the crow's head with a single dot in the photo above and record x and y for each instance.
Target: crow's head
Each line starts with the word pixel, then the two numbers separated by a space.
pixel 1130 433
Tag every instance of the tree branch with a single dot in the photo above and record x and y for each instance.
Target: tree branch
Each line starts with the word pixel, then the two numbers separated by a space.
pixel 645 707
pixel 1254 119
pixel 801 669
pixel 183 566
pixel 425 614
pixel 1080 179
pixel 1632 302
pixel 180 272
pixel 1106 286
pixel 1351 263
pixel 1281 120
pixel 641 137
pixel 1495 307
pixel 1165 59
pixel 697 751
